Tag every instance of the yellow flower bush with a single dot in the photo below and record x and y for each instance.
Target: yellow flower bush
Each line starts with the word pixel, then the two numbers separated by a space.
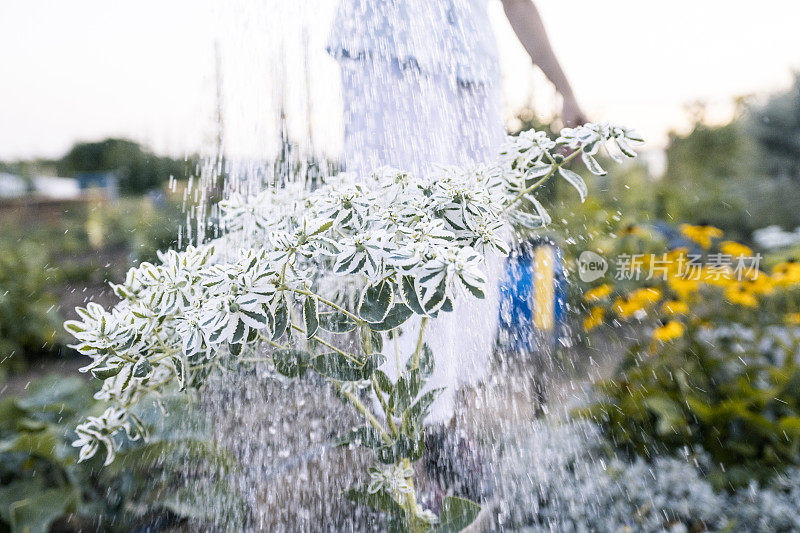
pixel 719 284
pixel 740 294
pixel 786 273
pixel 735 249
pixel 711 364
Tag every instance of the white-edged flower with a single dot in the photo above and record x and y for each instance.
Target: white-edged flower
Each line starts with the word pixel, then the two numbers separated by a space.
pixel 392 478
pixel 98 431
pixel 364 253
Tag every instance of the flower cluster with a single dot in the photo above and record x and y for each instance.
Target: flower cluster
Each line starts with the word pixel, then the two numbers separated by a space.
pixel 690 282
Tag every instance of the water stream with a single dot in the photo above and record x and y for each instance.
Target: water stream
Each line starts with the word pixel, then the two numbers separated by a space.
pixel 277 121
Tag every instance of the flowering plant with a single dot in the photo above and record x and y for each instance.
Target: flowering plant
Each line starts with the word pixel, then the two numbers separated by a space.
pixel 720 371
pixel 411 245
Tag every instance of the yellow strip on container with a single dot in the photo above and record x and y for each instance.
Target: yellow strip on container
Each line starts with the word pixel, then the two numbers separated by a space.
pixel 544 289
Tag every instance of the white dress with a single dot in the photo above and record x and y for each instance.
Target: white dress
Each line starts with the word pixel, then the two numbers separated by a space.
pixel 420 86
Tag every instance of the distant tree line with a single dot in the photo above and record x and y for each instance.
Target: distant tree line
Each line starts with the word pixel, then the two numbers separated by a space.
pixel 739 176
pixel 137 169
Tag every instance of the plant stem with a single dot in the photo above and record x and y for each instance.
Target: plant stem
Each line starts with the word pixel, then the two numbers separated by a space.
pixel 351 357
pixel 539 183
pixel 255 360
pixel 420 341
pixel 273 343
pixel 385 407
pixel 396 340
pixel 361 408
pixel 409 503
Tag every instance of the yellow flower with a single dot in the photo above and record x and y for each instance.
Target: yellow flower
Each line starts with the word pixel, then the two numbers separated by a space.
pixel 598 293
pixel 793 319
pixel 735 249
pixel 669 331
pixel 683 287
pixel 786 273
pixel 760 284
pixel 626 306
pixel 646 296
pixel 739 294
pixel 595 318
pixel 675 307
pixel 701 234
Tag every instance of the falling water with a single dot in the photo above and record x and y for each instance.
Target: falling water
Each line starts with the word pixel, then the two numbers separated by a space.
pixel 276 120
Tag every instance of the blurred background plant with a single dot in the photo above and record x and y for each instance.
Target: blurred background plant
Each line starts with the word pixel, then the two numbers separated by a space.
pixel 714 367
pixel 60 250
pixel 44 488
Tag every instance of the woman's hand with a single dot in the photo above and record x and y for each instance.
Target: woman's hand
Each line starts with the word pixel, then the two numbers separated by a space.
pixel 571 113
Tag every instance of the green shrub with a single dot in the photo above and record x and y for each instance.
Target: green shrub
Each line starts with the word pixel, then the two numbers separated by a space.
pixel 40 263
pixel 731 391
pixel 29 323
pixel 42 486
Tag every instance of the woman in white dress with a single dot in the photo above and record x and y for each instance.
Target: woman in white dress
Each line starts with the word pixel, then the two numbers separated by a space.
pixel 421 85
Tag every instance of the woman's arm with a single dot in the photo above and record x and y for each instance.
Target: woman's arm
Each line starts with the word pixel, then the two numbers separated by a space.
pixel 528 25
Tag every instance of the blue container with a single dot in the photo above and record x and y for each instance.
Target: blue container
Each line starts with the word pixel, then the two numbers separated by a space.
pixel 532 295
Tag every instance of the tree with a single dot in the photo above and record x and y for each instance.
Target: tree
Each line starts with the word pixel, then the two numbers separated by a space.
pixel 138 170
pixel 775 127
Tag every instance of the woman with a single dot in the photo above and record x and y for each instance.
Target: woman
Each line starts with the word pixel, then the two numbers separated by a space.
pixel 421 85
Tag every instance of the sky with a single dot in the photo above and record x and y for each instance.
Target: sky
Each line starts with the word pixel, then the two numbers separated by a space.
pixel 88 69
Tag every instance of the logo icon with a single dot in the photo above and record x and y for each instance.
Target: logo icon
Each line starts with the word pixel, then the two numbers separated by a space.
pixel 591 266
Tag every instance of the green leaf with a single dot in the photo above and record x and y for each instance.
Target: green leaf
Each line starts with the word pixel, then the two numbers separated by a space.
pixel 106 372
pixel 377 341
pixel 669 414
pixel 576 181
pixel 457 514
pixel 384 383
pixel 592 164
pixel 36 512
pixel 39 443
pixel 396 316
pixel 381 500
pixel 142 368
pixel 426 362
pixel 290 362
pixel 324 227
pixel 375 302
pixel 335 365
pixel 336 322
pixel 790 424
pixel 281 319
pixel 310 317
pixel 406 390
pixel 180 371
pixel 419 410
pixel 410 295
pixel 437 299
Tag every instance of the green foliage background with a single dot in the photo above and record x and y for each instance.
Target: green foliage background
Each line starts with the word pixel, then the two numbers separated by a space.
pixel 44 488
